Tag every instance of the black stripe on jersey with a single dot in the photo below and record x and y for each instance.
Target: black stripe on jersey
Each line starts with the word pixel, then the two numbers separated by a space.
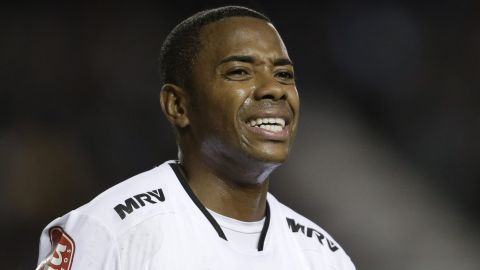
pixel 263 234
pixel 177 168
pixel 183 180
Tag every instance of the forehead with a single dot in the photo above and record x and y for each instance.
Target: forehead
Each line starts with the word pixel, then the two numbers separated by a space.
pixel 241 35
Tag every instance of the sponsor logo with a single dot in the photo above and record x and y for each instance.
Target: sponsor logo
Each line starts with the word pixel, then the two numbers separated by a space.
pixel 62 255
pixel 310 232
pixel 139 200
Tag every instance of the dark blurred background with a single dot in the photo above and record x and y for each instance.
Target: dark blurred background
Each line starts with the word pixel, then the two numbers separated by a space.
pixel 387 157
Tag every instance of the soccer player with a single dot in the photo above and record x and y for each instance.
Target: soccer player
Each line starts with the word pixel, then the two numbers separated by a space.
pixel 229 92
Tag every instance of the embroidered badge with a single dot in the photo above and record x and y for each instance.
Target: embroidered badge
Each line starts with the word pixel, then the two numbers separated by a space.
pixel 63 251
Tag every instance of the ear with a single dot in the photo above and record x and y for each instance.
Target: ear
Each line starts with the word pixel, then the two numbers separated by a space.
pixel 173 100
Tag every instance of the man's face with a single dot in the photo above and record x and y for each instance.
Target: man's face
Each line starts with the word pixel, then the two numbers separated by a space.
pixel 244 103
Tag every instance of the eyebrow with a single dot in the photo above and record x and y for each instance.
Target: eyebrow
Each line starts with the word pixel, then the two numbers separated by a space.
pixel 251 60
pixel 282 62
pixel 238 58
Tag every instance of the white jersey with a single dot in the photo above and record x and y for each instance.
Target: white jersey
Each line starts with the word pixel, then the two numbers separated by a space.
pixel 154 221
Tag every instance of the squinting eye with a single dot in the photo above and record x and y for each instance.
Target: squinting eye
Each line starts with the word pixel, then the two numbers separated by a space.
pixel 285 75
pixel 238 72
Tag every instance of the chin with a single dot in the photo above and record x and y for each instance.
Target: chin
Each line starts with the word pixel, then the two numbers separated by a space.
pixel 270 156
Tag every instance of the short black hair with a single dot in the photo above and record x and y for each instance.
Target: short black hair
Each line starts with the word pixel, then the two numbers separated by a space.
pixel 181 46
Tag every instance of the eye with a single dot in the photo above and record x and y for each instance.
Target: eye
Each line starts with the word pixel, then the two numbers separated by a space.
pixel 285 75
pixel 237 74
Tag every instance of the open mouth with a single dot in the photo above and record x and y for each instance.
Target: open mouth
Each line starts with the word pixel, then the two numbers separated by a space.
pixel 274 124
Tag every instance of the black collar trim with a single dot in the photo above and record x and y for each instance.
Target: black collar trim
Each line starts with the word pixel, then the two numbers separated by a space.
pixel 181 176
pixel 263 234
pixel 177 168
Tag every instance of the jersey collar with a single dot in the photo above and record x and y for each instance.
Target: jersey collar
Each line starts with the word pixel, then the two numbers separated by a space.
pixel 177 168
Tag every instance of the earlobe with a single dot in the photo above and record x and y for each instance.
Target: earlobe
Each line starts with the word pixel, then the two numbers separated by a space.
pixel 173 100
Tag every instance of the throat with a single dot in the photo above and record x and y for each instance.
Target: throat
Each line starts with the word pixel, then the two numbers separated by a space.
pixel 243 235
pixel 244 202
pixel 241 202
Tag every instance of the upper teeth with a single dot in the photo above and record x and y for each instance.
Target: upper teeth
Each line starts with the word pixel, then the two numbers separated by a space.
pixel 274 124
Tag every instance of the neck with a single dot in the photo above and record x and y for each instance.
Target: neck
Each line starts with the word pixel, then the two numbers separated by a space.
pixel 239 199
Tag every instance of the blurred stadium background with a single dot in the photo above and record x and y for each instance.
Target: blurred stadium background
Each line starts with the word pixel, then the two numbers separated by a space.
pixel 387 157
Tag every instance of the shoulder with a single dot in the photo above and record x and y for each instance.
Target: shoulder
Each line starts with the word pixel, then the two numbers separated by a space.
pixel 95 230
pixel 310 237
pixel 126 203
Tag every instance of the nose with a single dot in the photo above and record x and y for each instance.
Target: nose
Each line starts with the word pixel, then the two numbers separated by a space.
pixel 269 88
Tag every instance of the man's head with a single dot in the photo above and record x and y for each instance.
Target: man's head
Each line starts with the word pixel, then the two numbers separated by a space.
pixel 180 49
pixel 241 106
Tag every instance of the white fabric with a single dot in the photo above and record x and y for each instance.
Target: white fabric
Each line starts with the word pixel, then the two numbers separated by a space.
pixel 174 234
pixel 243 235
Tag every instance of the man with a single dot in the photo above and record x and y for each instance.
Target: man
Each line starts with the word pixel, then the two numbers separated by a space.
pixel 229 92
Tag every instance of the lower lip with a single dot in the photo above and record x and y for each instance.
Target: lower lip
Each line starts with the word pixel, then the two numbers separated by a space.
pixel 281 135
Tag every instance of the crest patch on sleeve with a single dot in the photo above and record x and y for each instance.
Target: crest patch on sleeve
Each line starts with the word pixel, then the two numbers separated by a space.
pixel 62 253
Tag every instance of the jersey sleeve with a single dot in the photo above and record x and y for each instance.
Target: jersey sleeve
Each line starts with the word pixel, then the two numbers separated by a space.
pixel 75 242
pixel 345 262
pixel 316 260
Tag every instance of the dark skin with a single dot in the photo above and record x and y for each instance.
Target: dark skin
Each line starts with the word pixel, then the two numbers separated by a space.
pixel 242 74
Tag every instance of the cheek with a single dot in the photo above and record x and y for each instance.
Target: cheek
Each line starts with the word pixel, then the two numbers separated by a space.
pixel 229 97
pixel 219 103
pixel 229 111
pixel 294 101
